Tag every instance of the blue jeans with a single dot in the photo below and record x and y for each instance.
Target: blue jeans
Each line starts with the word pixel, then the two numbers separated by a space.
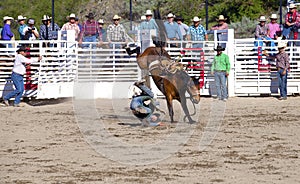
pixel 138 102
pixel 19 88
pixel 286 31
pixel 147 90
pixel 90 39
pixel 282 80
pixel 260 43
pixel 220 80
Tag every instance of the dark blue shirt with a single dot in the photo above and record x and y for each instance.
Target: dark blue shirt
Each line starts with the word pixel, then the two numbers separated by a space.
pixel 6 33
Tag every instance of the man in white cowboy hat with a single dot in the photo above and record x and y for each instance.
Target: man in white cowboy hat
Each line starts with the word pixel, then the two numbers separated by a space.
pixel 71 25
pixel 197 32
pixel 172 29
pixel 103 38
pixel 283 66
pixel 222 25
pixel 220 68
pixel 149 22
pixel 116 33
pixel 47 32
pixel 90 31
pixel 261 35
pixel 6 33
pixel 273 27
pixel 149 30
pixel 292 23
pixel 21 21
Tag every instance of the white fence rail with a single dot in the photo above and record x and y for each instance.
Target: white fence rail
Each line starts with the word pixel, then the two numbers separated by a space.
pixel 108 72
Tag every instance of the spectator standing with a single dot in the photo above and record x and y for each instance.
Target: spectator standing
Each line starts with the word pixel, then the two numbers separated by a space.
pixel 283 66
pixel 6 33
pixel 273 27
pixel 222 25
pixel 90 31
pixel 102 30
pixel 17 76
pixel 172 29
pixel 78 23
pixel 149 30
pixel 182 26
pixel 71 25
pixel 47 32
pixel 116 33
pixel 149 22
pixel 220 69
pixel 22 25
pixel 197 32
pixel 30 31
pixel 261 34
pixel 292 21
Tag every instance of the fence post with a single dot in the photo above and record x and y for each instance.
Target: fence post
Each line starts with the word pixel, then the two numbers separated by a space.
pixel 231 52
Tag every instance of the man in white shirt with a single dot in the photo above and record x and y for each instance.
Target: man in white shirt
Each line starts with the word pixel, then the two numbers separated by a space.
pixel 17 76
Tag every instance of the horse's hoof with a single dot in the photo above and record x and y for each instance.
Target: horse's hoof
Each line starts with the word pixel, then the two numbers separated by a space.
pixel 192 122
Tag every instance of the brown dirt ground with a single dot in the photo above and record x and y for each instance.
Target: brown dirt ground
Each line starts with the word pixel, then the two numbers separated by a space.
pixel 257 142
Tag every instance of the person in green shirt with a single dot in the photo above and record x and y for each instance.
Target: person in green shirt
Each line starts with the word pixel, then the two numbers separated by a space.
pixel 220 69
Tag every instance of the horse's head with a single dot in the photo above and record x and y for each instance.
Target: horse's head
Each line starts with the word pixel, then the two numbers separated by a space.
pixel 193 91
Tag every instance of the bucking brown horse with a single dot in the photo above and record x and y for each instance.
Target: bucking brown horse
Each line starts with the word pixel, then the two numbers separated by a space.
pixel 169 78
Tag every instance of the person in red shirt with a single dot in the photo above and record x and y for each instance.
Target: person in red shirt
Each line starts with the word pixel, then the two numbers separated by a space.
pixel 292 23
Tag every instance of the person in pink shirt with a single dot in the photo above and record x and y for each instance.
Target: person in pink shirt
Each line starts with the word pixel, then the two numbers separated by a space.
pixel 222 25
pixel 273 27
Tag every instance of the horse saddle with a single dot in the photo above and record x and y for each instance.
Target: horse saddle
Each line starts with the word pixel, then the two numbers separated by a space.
pixel 171 66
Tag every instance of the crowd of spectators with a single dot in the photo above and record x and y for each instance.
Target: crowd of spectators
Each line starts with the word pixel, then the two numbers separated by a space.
pixel 92 30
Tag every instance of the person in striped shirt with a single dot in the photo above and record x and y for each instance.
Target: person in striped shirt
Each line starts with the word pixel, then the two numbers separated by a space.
pixel 71 25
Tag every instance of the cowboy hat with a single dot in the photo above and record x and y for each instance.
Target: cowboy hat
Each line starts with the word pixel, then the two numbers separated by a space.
pixel 7 18
pixel 116 17
pixel 221 17
pixel 90 15
pixel 179 18
pixel 101 21
pixel 196 19
pixel 148 12
pixel 71 16
pixel 219 48
pixel 170 15
pixel 20 17
pixel 273 16
pixel 46 17
pixel 262 19
pixel 281 45
pixel 21 48
pixel 292 6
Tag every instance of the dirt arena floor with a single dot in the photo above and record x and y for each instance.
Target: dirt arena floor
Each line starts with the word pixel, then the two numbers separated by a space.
pixel 245 140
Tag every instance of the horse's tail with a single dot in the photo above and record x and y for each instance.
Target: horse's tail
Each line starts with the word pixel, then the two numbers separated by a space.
pixel 162 33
